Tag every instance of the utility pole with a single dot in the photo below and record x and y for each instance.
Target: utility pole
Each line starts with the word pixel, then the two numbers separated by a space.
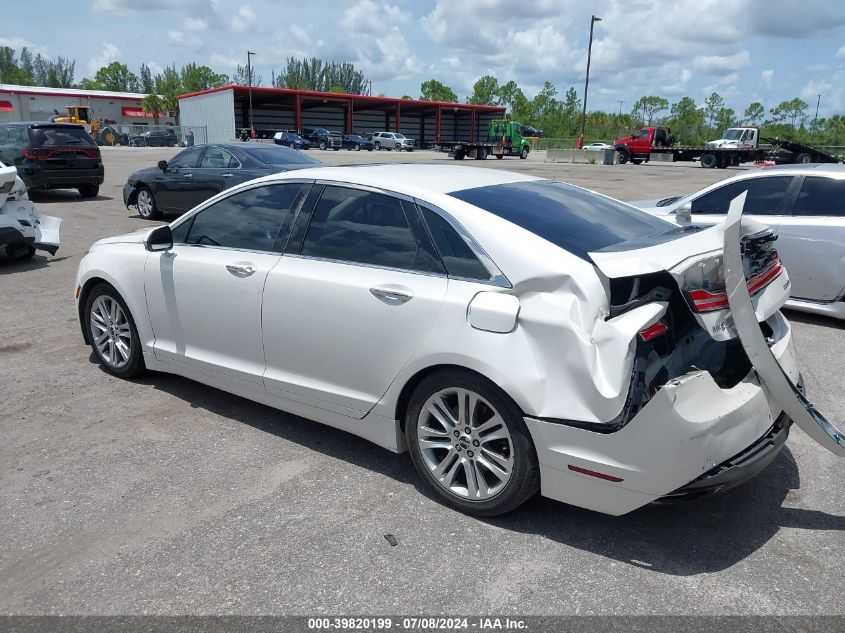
pixel 249 55
pixel 580 144
pixel 816 119
pixel 620 107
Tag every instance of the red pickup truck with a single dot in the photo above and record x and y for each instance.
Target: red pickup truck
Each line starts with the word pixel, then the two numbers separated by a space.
pixel 639 145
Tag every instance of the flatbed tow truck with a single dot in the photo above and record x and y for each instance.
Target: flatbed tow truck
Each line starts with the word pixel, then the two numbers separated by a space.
pixel 504 138
pixel 737 145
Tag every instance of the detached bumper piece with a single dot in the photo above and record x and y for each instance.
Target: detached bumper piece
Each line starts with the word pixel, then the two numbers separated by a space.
pixel 739 468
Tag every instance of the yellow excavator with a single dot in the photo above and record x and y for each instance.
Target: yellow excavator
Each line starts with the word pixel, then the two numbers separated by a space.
pixel 102 132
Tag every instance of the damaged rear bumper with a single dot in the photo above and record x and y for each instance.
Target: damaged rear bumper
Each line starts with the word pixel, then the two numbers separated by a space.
pixel 684 433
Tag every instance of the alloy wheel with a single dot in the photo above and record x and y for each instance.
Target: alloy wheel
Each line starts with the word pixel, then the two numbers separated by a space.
pixel 465 444
pixel 144 203
pixel 110 331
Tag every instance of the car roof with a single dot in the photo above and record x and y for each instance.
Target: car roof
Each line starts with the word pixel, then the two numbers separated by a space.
pixel 411 180
pixel 833 169
pixel 41 124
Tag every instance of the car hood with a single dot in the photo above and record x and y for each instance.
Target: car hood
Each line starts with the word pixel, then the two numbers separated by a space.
pixel 654 204
pixel 135 237
pixel 141 174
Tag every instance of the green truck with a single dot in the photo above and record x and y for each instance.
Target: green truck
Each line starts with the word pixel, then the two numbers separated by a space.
pixel 504 138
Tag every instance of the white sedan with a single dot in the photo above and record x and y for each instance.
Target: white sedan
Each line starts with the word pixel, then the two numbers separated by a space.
pixel 515 334
pixel 805 204
pixel 597 147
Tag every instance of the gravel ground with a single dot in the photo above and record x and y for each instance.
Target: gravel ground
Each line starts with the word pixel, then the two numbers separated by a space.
pixel 164 496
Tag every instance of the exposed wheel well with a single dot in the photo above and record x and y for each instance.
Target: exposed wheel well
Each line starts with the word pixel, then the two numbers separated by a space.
pixel 408 390
pixel 133 197
pixel 83 299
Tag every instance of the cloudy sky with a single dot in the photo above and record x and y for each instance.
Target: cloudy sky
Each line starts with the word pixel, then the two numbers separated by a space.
pixel 766 50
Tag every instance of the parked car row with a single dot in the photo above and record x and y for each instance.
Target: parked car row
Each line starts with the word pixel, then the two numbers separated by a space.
pixel 327 139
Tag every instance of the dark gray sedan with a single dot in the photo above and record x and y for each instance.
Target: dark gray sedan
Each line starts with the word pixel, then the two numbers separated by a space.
pixel 200 172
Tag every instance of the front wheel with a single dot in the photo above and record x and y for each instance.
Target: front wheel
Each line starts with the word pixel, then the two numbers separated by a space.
pixel 378 145
pixel 357 147
pixel 322 145
pixel 112 332
pixel 146 204
pixel 708 160
pixel 469 443
pixel 804 158
pixel 523 154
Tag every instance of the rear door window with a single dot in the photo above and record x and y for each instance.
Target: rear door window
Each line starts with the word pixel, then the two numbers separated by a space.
pixel 218 158
pixel 766 196
pixel 821 196
pixel 457 256
pixel 364 227
pixel 187 159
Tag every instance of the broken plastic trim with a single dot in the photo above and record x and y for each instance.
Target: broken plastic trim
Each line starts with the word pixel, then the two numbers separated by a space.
pixel 784 391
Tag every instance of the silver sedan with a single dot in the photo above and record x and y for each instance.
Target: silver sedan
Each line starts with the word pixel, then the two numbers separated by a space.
pixel 805 204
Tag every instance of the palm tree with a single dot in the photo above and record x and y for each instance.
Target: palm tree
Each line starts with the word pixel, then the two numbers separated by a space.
pixel 152 104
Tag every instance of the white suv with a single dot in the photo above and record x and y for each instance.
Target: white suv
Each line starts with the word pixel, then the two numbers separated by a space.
pixel 392 140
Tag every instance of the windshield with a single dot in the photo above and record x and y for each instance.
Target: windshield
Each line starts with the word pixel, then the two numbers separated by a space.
pixel 399 135
pixel 294 137
pixel 576 220
pixel 278 155
pixel 59 136
pixel 732 135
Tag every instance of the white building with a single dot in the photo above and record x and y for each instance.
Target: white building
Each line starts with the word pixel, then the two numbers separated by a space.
pixel 35 103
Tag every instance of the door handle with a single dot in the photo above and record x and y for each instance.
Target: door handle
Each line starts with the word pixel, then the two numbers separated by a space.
pixel 188 175
pixel 227 175
pixel 392 296
pixel 240 270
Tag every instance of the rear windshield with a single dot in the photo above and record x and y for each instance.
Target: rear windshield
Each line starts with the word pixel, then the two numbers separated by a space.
pixel 572 218
pixel 59 136
pixel 277 155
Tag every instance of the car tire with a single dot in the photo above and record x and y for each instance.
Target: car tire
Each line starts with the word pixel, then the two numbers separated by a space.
pixel 322 145
pixel 357 147
pixel 145 203
pixel 708 160
pixel 106 315
pixel 804 158
pixel 19 252
pixel 499 156
pixel 481 153
pixel 499 473
pixel 88 191
pixel 459 155
pixel 624 156
pixel 637 161
pixel 523 154
pixel 377 145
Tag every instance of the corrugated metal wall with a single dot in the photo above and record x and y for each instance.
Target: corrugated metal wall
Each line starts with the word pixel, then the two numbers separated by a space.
pixel 214 110
pixel 41 107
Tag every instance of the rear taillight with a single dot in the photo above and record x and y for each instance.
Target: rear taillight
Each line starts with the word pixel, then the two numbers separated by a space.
pixel 654 331
pixel 41 153
pixel 708 300
pixel 36 153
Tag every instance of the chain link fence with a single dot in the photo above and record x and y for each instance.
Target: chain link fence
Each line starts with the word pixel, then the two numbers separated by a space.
pixel 151 135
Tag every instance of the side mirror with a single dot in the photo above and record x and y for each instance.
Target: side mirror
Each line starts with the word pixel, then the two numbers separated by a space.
pixel 161 239
pixel 683 214
pixel 162 165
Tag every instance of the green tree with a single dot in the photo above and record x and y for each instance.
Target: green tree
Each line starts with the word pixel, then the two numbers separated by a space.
pixel 195 78
pixel 725 118
pixel 11 71
pixel 433 90
pixel 116 77
pixel 485 91
pixel 152 104
pixel 147 84
pixel 648 107
pixel 571 112
pixel 790 112
pixel 168 86
pixel 241 77
pixel 712 105
pixel 754 112
pixel 687 121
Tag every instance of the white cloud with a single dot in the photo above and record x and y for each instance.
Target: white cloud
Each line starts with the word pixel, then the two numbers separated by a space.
pixel 840 54
pixel 125 7
pixel 108 54
pixel 766 77
pixel 243 19
pixel 717 64
pixel 195 24
pixel 371 16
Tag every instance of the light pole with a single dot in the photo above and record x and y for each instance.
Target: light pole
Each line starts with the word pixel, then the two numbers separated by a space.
pixel 816 119
pixel 593 20
pixel 249 55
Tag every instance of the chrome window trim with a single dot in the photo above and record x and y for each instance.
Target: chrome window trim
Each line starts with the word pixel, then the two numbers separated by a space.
pixel 375 266
pixel 497 277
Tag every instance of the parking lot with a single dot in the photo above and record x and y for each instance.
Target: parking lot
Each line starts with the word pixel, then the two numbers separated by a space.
pixel 164 496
